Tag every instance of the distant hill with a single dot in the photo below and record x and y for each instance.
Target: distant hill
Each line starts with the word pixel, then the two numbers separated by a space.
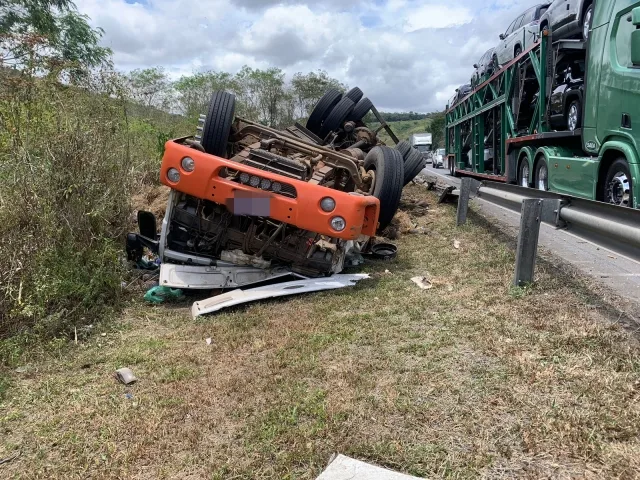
pixel 403 129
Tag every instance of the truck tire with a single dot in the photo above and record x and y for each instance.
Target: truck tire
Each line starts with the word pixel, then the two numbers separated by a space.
pixel 389 170
pixel 541 176
pixel 354 94
pixel 337 117
pixel 322 109
pixel 361 109
pixel 413 165
pixel 404 148
pixel 523 173
pixel 217 125
pixel 618 189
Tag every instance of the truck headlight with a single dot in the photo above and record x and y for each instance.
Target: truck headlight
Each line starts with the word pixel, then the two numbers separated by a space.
pixel 338 224
pixel 255 181
pixel 328 204
pixel 265 184
pixel 173 175
pixel 188 165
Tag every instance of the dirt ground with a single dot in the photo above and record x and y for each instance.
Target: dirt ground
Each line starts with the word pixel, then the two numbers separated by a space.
pixel 468 379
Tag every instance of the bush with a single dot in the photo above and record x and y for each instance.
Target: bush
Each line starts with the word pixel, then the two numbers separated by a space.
pixel 65 187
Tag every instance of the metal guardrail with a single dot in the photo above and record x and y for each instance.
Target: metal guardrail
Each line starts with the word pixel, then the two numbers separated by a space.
pixel 611 227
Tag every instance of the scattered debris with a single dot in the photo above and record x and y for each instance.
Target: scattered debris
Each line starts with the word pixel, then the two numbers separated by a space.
pixel 22 369
pixel 11 458
pixel 423 282
pixel 160 295
pixel 128 396
pixel 384 251
pixel 209 341
pixel 456 244
pixel 126 376
pixel 341 467
pixel 239 297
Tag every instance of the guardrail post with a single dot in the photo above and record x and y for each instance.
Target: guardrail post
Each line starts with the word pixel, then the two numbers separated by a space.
pixel 463 201
pixel 528 242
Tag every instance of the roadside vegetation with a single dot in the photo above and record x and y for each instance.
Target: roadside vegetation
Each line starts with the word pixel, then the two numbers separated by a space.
pixel 78 141
pixel 468 379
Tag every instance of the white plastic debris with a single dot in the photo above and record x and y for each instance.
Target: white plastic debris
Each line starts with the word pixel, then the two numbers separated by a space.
pixel 423 282
pixel 239 297
pixel 345 468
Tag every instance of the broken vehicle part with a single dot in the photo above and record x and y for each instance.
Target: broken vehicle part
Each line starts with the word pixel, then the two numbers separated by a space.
pixel 238 297
pixel 195 277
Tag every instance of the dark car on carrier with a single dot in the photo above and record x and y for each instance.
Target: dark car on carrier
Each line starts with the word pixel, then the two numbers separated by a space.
pixel 565 106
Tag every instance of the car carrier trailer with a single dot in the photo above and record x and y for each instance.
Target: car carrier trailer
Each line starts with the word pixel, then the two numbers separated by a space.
pixel 502 130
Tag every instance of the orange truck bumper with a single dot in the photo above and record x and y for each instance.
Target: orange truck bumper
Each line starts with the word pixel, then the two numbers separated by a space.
pixel 206 182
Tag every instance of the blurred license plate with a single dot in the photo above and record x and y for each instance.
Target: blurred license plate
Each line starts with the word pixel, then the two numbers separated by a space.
pixel 255 204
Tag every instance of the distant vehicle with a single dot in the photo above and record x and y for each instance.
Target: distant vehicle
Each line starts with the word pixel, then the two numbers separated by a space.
pixel 423 142
pixel 568 19
pixel 521 34
pixel 438 158
pixel 485 66
pixel 565 107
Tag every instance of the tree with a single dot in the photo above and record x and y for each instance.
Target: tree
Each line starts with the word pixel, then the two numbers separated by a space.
pixel 50 30
pixel 308 90
pixel 437 129
pixel 150 87
pixel 194 91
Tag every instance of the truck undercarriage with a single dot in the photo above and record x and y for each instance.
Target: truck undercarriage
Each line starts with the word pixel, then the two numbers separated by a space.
pixel 250 202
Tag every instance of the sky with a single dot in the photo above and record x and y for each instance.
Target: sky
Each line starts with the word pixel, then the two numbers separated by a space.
pixel 404 54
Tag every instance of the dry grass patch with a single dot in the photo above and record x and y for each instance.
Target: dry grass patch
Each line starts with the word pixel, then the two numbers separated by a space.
pixel 469 379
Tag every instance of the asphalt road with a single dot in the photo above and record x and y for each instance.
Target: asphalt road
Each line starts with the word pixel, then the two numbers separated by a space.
pixel 618 273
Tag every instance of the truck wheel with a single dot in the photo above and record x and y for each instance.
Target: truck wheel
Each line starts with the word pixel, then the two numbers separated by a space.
pixel 354 94
pixel 217 125
pixel 452 167
pixel 413 166
pixel 573 116
pixel 361 109
pixel 323 109
pixel 618 188
pixel 389 171
pixel 404 148
pixel 542 176
pixel 523 173
pixel 337 117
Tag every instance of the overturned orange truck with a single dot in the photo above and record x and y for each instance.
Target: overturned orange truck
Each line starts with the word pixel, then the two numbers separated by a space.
pixel 250 203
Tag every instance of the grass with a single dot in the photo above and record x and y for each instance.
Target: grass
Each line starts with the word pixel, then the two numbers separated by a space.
pixel 469 379
pixel 403 129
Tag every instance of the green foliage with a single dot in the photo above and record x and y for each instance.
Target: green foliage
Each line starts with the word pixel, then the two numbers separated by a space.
pixel 261 95
pixel 54 30
pixel 397 116
pixel 65 187
pixel 437 128
pixel 403 129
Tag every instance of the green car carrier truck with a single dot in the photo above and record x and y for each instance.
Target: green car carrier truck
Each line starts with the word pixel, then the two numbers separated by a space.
pixel 562 116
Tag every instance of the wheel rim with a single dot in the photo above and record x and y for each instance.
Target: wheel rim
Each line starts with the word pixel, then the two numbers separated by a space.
pixel 573 117
pixel 525 176
pixel 618 190
pixel 542 178
pixel 587 24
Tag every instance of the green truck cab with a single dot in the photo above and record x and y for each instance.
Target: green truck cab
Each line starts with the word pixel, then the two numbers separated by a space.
pixel 599 161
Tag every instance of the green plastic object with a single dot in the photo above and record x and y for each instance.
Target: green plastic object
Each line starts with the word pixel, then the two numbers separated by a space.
pixel 158 295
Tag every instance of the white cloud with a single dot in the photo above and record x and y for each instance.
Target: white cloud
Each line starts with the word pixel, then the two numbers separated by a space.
pixel 404 54
pixel 438 16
